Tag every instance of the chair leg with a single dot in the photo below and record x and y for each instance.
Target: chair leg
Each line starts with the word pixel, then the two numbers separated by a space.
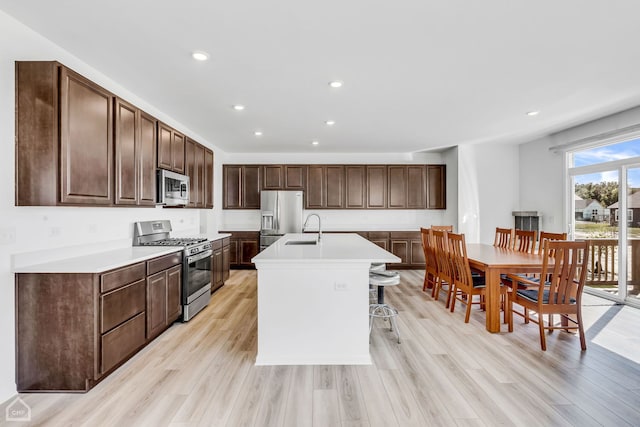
pixel 543 340
pixel 436 288
pixel 451 296
pixel 583 341
pixel 468 312
pixel 526 315
pixel 510 310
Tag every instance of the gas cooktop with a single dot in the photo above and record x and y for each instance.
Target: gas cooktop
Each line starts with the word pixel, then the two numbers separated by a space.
pixel 175 241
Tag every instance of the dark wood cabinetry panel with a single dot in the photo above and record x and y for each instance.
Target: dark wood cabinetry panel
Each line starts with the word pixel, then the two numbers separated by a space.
pixel 156 303
pixel 135 156
pixel 437 187
pixel 190 170
pixel 226 258
pixel 272 177
pixel 397 182
pixel 334 188
pixel 380 238
pixel 217 271
pixel 294 177
pixel 355 189
pixel 126 142
pixel 401 249
pixel 208 178
pixel 122 304
pixel 408 246
pixel 164 146
pixel 314 197
pixel 174 293
pixel 177 152
pixel 86 141
pixel 171 149
pixel 251 187
pixel 417 253
pixel 416 187
pixel 231 178
pixel 199 175
pixel 147 160
pixel 243 246
pixel 121 342
pixel 376 187
pixel 343 186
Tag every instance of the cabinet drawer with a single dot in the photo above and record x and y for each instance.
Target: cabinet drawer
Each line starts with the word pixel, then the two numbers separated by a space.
pixel 122 276
pixel 121 304
pixel 122 341
pixel 216 244
pixel 226 241
pixel 163 262
pixel 411 235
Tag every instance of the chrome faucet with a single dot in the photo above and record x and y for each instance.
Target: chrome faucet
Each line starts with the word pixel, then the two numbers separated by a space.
pixel 319 225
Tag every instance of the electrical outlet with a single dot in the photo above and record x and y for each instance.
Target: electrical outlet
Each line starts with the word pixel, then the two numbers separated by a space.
pixel 7 235
pixel 54 231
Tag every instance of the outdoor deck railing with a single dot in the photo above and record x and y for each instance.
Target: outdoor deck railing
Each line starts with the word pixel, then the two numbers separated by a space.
pixel 603 263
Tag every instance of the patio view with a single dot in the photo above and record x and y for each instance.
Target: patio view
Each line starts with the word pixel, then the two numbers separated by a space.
pixel 597 218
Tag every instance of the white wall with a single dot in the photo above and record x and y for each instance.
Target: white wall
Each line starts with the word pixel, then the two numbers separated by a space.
pixel 35 228
pixel 542 186
pixel 488 189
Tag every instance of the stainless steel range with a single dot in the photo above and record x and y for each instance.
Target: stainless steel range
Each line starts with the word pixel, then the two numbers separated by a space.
pixel 196 262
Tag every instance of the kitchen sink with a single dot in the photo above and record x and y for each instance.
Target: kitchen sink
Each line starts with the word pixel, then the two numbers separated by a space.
pixel 301 242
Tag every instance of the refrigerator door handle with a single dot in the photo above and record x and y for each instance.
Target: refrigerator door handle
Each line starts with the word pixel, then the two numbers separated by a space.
pixel 276 218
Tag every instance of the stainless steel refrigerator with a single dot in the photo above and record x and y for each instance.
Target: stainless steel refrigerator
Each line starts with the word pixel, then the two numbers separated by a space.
pixel 280 213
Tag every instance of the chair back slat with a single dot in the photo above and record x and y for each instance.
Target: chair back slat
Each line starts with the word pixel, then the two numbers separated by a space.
pixel 524 241
pixel 459 261
pixel 439 244
pixel 565 271
pixel 447 228
pixel 544 236
pixel 504 238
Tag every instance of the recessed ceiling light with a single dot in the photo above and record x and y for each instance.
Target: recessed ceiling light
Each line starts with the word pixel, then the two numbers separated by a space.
pixel 335 84
pixel 330 122
pixel 238 107
pixel 533 113
pixel 199 55
pixel 258 133
pixel 315 142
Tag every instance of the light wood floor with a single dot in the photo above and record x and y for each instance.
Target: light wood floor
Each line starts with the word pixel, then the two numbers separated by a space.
pixel 445 372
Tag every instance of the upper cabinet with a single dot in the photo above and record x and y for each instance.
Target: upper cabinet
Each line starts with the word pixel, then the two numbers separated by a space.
pixel 283 177
pixel 325 187
pixel 171 149
pixel 135 154
pixel 78 144
pixel 437 187
pixel 241 186
pixel 199 169
pixel 341 186
pixel 64 138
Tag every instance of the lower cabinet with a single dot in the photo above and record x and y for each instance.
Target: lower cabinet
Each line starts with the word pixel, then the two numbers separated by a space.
pixel 73 329
pixel 408 246
pixel 226 258
pixel 217 269
pixel 243 246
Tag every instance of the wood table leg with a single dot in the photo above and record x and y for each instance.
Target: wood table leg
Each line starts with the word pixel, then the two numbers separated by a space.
pixel 492 299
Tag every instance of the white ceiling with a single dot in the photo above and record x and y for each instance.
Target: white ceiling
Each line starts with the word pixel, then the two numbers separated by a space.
pixel 418 74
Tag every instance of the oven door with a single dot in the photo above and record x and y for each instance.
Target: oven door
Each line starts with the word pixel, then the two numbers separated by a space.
pixel 197 272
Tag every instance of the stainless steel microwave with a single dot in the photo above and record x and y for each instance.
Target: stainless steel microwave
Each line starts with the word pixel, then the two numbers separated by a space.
pixel 172 188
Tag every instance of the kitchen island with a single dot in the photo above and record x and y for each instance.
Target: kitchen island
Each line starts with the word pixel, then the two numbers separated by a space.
pixel 313 299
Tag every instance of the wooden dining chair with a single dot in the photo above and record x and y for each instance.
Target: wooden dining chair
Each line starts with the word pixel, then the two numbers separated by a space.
pixel 438 240
pixel 447 228
pixel 465 285
pixel 560 292
pixel 504 238
pixel 431 266
pixel 544 236
pixel 524 240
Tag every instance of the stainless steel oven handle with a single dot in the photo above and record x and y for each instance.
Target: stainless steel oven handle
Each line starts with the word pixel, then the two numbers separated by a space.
pixel 199 256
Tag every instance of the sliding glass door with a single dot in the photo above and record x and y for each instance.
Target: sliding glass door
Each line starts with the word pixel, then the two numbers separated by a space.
pixel 605 209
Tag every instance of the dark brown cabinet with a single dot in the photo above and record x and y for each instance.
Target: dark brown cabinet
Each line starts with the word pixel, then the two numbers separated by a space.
pixel 380 238
pixel 135 153
pixel 283 177
pixel 243 246
pixel 408 246
pixel 64 137
pixel 171 149
pixel 217 265
pixel 355 191
pixel 437 187
pixel 208 178
pixel 325 188
pixel 342 186
pixel 226 258
pixel 241 186
pixel 376 187
pixel 84 325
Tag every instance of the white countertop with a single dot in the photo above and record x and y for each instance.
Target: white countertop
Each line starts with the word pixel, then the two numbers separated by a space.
pixel 346 247
pixel 100 262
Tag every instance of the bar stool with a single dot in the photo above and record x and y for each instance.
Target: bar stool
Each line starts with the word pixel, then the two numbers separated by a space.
pixel 380 278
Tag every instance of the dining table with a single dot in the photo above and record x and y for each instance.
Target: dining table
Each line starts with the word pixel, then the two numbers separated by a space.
pixel 494 261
